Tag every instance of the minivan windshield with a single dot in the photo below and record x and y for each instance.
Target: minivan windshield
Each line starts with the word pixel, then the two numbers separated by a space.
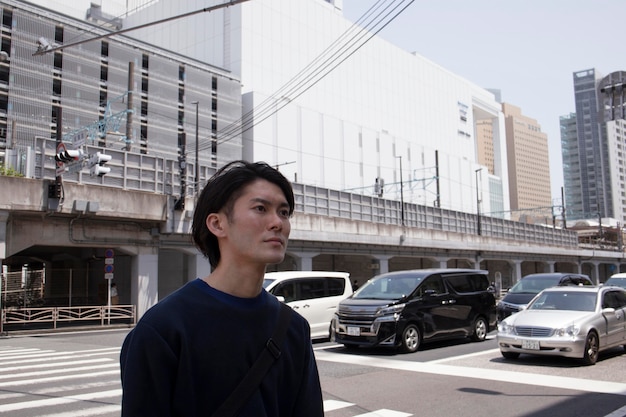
pixel 532 285
pixel 387 288
pixel 267 282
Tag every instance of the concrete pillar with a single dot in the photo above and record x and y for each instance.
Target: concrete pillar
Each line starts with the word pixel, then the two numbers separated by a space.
pixel 145 279
pixel 443 262
pixel 551 266
pixel 595 272
pixel 304 260
pixel 383 263
pixel 4 218
pixel 199 267
pixel 517 270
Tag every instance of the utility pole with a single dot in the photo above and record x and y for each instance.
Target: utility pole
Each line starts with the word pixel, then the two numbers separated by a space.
pixel 401 193
pixel 478 201
pixel 197 179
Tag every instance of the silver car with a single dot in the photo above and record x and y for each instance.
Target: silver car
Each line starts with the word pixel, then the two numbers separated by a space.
pixel 574 322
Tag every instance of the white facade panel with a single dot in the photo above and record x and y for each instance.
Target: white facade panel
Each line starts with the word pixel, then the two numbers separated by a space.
pixel 386 102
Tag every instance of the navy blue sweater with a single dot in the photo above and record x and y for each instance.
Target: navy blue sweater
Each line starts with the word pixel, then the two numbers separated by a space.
pixel 190 350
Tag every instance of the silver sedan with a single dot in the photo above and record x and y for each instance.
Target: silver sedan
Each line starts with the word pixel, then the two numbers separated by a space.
pixel 574 322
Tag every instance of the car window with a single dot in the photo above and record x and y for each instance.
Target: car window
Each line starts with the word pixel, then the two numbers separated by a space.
pixel 468 283
pixel 534 285
pixel 614 299
pixel 575 301
pixel 387 288
pixel 434 283
pixel 621 298
pixel 336 286
pixel 460 283
pixel 286 289
pixel 310 288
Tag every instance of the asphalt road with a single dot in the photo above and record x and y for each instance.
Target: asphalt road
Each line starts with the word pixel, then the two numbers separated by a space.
pixel 77 375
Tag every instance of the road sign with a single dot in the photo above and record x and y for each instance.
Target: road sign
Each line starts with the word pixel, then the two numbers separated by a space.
pixel 109 260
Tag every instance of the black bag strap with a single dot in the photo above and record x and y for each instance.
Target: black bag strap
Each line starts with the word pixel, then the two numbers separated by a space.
pixel 259 369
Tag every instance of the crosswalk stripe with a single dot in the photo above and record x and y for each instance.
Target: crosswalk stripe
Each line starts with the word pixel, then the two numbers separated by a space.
pixel 59 371
pixel 90 412
pixel 113 380
pixel 10 384
pixel 384 413
pixel 59 401
pixel 54 364
pixel 44 355
pixel 331 405
pixel 23 353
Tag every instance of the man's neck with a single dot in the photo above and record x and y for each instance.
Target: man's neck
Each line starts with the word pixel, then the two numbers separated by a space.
pixel 237 281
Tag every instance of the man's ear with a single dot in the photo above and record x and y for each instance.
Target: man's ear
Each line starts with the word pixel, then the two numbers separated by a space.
pixel 214 222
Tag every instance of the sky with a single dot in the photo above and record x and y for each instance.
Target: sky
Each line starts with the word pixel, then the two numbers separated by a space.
pixel 527 49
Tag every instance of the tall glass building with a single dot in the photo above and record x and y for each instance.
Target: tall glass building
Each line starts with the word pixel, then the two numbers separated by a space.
pixel 592 141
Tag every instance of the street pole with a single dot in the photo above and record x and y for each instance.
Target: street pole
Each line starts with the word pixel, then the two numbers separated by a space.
pixel 401 193
pixel 478 225
pixel 197 179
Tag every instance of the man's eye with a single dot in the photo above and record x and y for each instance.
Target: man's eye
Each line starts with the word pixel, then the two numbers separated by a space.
pixel 259 208
pixel 284 213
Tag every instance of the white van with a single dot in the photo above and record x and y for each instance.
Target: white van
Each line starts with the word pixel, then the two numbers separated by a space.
pixel 313 294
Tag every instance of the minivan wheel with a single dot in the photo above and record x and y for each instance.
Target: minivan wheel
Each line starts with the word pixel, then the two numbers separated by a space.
pixel 411 339
pixel 481 328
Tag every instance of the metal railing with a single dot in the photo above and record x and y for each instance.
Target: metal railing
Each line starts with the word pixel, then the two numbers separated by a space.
pixel 54 316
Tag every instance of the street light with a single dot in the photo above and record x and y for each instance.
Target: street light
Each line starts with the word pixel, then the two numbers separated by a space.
pixel 478 201
pixel 197 166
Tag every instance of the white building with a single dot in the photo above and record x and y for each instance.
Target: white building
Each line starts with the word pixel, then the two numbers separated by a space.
pixel 332 110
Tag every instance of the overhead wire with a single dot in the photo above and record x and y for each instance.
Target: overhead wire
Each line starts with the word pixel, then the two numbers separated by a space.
pixel 335 54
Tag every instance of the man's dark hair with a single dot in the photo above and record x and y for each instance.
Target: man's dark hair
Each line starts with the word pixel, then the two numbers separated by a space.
pixel 221 191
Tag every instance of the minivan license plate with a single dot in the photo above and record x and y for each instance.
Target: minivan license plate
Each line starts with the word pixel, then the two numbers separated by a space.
pixel 530 344
pixel 354 331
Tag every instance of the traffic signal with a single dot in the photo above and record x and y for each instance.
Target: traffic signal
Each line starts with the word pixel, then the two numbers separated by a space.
pixel 379 186
pixel 96 163
pixel 68 155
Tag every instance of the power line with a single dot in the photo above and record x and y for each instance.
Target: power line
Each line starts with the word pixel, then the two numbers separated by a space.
pixel 335 54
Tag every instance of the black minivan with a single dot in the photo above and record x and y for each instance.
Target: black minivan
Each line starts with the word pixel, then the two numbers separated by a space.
pixel 404 308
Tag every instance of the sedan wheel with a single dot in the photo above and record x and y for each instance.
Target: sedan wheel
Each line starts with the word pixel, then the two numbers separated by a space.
pixel 411 339
pixel 480 330
pixel 592 348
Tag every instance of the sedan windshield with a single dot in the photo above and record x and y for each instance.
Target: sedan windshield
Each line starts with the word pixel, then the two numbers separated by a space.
pixel 533 285
pixel 574 301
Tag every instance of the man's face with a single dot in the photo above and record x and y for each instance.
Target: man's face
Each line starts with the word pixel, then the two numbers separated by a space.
pixel 258 226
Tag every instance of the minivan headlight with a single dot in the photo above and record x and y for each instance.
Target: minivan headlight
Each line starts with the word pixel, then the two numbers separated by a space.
pixel 390 310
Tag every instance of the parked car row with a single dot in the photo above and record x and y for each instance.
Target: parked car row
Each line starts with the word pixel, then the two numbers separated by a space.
pixel 397 310
pixel 558 314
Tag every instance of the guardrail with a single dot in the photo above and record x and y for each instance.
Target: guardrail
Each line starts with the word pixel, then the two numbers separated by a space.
pixel 95 315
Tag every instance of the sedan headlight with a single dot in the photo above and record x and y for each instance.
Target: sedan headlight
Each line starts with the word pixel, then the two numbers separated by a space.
pixel 505 328
pixel 569 331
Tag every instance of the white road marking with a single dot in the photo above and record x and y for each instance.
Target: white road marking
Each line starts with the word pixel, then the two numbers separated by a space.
pixel 331 405
pixel 60 400
pixel 97 411
pixel 577 384
pixel 384 413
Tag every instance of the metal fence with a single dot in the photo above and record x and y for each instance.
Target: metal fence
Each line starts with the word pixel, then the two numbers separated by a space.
pixel 46 317
pixel 160 174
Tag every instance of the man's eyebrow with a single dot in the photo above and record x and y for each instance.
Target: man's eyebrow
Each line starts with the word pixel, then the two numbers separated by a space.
pixel 283 203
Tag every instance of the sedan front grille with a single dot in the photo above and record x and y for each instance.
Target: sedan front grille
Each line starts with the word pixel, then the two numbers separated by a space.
pixel 533 331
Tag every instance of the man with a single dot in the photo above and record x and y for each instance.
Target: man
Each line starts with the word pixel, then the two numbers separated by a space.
pixel 189 351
